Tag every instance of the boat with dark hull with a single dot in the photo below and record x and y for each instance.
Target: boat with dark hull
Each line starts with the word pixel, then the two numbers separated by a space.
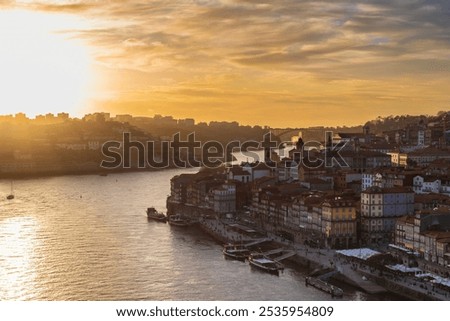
pixel 236 252
pixel 178 220
pixel 263 263
pixel 153 214
pixel 11 196
pixel 324 286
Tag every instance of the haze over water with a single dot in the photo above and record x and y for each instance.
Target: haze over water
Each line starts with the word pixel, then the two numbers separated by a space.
pixel 87 238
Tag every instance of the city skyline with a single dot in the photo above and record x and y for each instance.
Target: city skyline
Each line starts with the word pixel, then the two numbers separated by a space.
pixel 285 63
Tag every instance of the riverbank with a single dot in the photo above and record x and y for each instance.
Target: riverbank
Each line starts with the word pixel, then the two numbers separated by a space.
pixel 305 256
pixel 75 172
pixel 348 271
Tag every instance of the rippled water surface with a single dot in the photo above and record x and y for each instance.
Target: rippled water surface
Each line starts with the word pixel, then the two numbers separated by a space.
pixel 87 238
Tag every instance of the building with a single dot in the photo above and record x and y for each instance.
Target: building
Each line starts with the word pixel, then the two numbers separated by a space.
pixel 97 117
pixel 426 184
pixel 257 170
pixel 198 190
pixel 237 173
pixel 380 207
pixel 427 233
pixel 430 201
pixel 339 222
pixel 318 184
pixel 188 122
pixel 224 199
pixel 361 160
pixel 388 177
pixel 425 156
pixel 343 179
pixel 287 170
pixel 63 116
pixel 178 187
pixel 398 159
pixel 124 118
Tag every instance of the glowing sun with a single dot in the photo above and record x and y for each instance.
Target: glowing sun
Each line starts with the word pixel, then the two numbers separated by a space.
pixel 41 69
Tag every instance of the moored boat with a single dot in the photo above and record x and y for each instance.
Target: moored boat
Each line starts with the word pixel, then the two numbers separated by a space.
pixel 178 220
pixel 265 264
pixel 153 214
pixel 236 252
pixel 11 196
pixel 324 286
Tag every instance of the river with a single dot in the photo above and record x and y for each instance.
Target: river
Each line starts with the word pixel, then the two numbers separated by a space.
pixel 88 238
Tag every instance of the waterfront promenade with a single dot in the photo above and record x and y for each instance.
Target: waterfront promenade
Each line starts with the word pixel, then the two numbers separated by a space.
pixel 355 272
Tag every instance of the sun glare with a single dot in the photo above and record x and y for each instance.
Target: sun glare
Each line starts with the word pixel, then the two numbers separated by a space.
pixel 41 68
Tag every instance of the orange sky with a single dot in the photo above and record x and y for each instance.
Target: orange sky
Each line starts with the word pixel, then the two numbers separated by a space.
pixel 279 63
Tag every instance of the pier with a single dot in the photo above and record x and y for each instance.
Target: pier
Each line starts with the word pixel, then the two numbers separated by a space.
pixel 285 256
pixel 256 242
pixel 351 270
pixel 272 252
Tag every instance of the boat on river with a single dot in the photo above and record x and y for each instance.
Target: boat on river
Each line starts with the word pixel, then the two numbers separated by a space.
pixel 236 252
pixel 153 214
pixel 266 264
pixel 178 220
pixel 324 286
pixel 11 196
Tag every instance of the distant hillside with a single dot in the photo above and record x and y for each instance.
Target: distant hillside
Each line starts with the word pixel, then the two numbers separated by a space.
pixel 382 124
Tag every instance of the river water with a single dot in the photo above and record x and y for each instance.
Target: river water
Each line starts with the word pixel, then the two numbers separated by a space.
pixel 88 238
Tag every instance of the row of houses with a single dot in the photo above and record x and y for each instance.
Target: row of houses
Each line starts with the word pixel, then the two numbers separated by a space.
pixel 207 190
pixel 427 234
pixel 332 219
pixel 331 207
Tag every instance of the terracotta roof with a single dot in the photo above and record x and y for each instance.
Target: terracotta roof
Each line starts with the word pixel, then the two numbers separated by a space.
pixel 429 151
pixel 239 171
pixel 389 190
pixel 421 198
pixel 340 202
pixel 379 145
pixel 315 180
pixel 406 219
pixel 261 166
pixel 364 153
pixel 438 235
pixel 351 135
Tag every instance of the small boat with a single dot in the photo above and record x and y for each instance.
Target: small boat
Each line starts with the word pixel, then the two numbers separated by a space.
pixel 153 214
pixel 178 220
pixel 11 196
pixel 236 252
pixel 324 286
pixel 263 263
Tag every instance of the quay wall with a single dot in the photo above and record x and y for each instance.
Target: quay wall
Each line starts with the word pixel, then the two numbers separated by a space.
pixel 310 261
pixel 191 211
pixel 214 234
pixel 399 289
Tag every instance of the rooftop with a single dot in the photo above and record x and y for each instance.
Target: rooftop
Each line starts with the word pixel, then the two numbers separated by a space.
pixel 429 151
pixel 387 190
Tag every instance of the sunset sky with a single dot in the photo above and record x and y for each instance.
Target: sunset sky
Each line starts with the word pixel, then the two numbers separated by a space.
pixel 279 63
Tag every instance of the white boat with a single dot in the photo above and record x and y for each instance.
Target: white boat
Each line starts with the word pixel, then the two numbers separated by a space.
pixel 265 264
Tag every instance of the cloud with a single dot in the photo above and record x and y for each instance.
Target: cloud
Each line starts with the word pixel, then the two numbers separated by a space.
pixel 259 45
pixel 291 34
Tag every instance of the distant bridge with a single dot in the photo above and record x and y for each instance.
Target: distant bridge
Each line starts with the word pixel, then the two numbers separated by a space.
pixel 286 134
pixel 308 134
